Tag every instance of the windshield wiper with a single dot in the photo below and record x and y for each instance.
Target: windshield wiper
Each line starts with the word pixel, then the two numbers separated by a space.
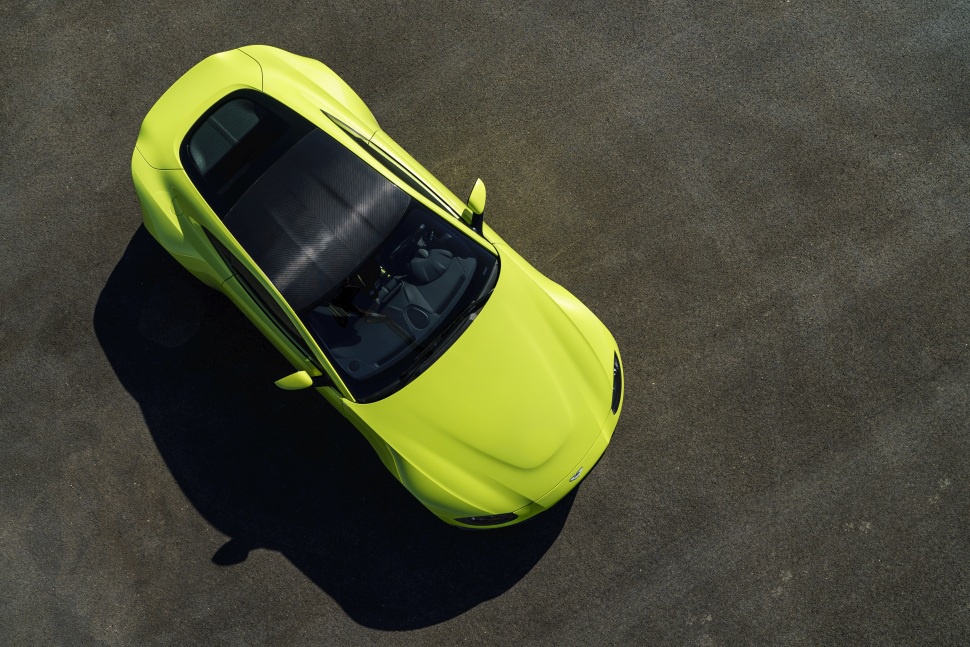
pixel 450 333
pixel 420 362
pixel 406 336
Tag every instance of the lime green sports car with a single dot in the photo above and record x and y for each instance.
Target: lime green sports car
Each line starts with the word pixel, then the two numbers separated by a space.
pixel 486 389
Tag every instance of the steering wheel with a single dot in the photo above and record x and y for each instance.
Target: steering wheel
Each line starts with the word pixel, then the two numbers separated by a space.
pixel 411 240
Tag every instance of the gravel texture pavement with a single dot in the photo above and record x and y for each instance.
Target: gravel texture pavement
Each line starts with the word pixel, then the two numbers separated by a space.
pixel 766 202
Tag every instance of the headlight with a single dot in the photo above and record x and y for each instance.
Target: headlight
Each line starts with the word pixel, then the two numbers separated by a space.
pixel 488 520
pixel 617 383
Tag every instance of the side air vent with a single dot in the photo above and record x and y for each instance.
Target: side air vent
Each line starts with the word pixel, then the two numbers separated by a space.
pixel 617 384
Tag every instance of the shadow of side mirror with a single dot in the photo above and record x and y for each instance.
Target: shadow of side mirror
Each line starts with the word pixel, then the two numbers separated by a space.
pixel 295 382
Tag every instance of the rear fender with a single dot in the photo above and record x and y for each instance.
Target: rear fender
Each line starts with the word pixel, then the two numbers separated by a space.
pixel 155 195
pixel 287 76
pixel 189 97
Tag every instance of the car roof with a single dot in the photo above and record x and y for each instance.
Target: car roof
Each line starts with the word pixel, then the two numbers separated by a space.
pixel 313 216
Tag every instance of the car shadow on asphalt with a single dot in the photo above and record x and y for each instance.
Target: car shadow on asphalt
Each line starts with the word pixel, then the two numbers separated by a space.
pixel 283 470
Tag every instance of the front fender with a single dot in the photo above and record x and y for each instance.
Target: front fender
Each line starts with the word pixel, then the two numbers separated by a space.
pixel 589 325
pixel 154 190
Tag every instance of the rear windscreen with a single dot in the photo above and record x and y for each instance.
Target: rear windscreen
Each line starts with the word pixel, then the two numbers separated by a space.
pixel 235 142
pixel 314 216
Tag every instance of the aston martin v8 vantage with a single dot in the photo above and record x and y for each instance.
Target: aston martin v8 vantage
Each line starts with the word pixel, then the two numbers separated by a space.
pixel 487 390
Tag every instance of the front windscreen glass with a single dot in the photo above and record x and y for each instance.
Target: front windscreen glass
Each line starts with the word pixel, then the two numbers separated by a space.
pixel 386 320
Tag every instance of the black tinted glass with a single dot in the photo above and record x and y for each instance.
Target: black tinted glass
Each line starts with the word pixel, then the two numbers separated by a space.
pixel 233 144
pixel 380 325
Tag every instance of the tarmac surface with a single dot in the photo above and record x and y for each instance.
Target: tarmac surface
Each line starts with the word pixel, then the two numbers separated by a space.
pixel 766 202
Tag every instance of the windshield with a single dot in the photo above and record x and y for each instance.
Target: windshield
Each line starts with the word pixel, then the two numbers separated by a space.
pixel 402 305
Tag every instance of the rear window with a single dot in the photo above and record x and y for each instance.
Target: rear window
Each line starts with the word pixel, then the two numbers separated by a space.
pixel 234 143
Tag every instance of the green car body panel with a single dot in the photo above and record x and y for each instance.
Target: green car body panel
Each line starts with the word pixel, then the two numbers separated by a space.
pixel 509 418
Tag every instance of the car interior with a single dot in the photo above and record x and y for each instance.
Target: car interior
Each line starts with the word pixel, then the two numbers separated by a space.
pixel 395 299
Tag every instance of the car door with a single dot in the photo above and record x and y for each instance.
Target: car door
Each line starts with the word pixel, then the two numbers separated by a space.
pixel 265 311
pixel 263 308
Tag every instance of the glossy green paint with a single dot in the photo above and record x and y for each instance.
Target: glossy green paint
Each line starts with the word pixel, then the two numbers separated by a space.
pixel 503 420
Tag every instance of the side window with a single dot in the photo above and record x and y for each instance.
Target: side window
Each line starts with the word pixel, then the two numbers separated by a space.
pixel 263 298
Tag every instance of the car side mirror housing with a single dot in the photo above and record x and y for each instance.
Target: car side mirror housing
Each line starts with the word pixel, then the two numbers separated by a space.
pixel 295 381
pixel 476 206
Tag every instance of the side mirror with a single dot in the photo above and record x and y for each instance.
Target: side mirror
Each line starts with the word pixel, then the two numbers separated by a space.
pixel 295 382
pixel 476 206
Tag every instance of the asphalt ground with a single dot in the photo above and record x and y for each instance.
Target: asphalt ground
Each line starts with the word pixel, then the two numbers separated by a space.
pixel 766 202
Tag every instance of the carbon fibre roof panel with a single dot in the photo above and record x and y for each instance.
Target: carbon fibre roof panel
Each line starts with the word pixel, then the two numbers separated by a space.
pixel 314 216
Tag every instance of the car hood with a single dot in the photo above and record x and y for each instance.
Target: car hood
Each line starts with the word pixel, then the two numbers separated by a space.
pixel 514 404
